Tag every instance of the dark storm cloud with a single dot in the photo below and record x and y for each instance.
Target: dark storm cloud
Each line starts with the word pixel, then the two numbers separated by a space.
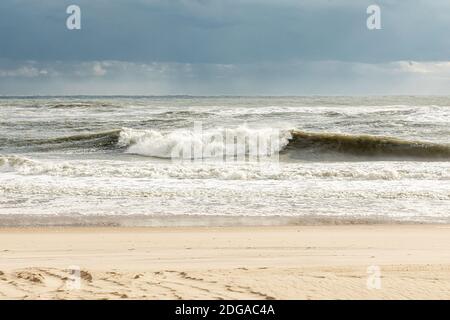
pixel 220 31
pixel 224 47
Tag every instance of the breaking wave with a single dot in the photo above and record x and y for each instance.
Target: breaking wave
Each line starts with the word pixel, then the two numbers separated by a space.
pixel 204 144
pixel 292 144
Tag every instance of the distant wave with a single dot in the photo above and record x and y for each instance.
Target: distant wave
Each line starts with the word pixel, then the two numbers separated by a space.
pixel 294 144
pixel 98 140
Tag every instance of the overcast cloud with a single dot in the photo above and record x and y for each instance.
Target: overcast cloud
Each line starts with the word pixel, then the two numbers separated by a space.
pixel 224 47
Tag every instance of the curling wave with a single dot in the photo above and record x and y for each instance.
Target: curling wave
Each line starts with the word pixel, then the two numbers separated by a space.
pixel 292 144
pixel 367 146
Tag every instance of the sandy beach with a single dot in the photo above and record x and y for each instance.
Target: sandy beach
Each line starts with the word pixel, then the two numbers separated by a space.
pixel 292 262
pixel 224 150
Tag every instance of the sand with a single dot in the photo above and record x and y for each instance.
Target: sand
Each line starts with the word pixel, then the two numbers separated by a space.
pixel 292 262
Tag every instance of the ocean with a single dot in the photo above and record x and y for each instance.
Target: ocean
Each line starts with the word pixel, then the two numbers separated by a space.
pixel 88 160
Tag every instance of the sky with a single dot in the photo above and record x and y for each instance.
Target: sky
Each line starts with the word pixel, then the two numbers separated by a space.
pixel 224 47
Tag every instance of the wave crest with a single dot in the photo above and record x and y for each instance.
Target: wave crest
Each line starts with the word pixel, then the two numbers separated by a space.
pixel 204 144
pixel 367 145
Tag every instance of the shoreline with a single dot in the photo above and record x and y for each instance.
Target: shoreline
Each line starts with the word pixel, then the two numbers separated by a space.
pixel 266 262
pixel 195 220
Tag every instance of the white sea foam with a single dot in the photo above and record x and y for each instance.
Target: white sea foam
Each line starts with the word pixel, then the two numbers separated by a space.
pixel 198 143
pixel 228 171
pixel 86 196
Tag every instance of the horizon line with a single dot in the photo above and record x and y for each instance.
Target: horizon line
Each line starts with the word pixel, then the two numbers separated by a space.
pixel 213 96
